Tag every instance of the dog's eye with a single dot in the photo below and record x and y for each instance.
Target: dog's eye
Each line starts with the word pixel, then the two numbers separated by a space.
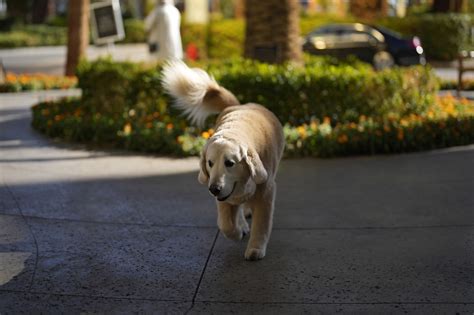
pixel 229 163
pixel 210 163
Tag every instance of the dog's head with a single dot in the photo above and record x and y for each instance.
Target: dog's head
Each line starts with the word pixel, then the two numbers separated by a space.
pixel 231 171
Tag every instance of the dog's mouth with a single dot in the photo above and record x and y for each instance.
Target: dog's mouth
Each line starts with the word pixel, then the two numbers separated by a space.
pixel 224 198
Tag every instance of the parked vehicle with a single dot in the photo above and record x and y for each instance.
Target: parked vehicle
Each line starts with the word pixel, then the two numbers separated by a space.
pixel 378 46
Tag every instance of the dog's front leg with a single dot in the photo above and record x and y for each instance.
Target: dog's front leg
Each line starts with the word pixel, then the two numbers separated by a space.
pixel 231 221
pixel 262 221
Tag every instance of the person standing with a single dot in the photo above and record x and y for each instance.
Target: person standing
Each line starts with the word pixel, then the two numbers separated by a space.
pixel 162 26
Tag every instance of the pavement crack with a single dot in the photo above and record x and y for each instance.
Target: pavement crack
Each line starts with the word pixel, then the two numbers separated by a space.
pixel 17 203
pixel 203 272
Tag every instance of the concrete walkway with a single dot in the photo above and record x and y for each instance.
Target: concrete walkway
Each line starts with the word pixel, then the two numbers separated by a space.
pixel 112 232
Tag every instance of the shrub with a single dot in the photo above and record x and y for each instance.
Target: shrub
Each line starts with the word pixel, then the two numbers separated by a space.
pixel 442 35
pixel 295 95
pixel 468 84
pixel 33 35
pixel 321 89
pixel 134 31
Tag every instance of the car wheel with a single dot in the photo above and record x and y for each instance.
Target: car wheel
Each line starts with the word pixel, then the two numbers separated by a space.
pixel 383 60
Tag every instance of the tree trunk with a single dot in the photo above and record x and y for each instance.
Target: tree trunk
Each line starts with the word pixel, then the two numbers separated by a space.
pixel 272 33
pixel 78 33
pixel 239 8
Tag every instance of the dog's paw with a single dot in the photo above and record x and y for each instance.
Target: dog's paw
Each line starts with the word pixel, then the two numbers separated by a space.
pixel 245 228
pixel 254 254
pixel 235 235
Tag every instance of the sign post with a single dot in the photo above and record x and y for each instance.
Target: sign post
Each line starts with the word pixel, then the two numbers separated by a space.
pixel 107 23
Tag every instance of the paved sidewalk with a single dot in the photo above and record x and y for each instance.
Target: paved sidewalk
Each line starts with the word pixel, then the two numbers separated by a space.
pixel 114 232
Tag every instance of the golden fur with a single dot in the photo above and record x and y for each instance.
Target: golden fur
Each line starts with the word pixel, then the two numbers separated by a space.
pixel 239 162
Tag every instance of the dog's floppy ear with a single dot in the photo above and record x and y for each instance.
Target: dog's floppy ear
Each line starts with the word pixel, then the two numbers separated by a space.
pixel 203 176
pixel 257 170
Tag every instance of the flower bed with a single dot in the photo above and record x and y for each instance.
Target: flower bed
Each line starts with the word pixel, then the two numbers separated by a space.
pixel 448 122
pixel 327 108
pixel 37 81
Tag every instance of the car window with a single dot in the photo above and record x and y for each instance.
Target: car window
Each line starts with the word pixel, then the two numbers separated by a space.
pixel 353 36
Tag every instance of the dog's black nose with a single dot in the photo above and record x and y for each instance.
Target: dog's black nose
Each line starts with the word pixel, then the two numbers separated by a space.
pixel 215 189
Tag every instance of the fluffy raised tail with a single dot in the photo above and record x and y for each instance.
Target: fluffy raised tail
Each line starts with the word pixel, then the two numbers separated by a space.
pixel 195 92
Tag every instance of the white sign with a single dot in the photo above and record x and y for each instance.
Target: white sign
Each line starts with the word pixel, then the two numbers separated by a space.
pixel 107 24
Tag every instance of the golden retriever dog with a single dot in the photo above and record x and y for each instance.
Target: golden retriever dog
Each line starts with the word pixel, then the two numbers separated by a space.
pixel 239 161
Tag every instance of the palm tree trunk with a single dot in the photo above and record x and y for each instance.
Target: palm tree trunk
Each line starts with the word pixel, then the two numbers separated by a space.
pixel 272 33
pixel 78 33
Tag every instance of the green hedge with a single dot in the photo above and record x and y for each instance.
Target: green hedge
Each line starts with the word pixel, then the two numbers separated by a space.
pixel 295 95
pixel 33 35
pixel 442 35
pixel 342 93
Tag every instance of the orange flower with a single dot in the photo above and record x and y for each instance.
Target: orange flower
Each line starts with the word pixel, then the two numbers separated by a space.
pixel 205 135
pixel 400 134
pixel 342 138
pixel 149 125
pixel 327 120
pixel 169 126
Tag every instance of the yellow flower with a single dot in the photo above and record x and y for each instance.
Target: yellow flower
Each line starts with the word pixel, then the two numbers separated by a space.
pixel 327 120
pixel 313 125
pixel 127 129
pixel 362 118
pixel 404 122
pixel 302 131
pixel 205 135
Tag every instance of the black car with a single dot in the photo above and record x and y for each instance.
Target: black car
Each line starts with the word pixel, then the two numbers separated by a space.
pixel 376 45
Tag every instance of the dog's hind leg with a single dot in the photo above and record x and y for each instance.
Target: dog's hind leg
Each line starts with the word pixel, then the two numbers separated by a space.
pixel 262 221
pixel 231 221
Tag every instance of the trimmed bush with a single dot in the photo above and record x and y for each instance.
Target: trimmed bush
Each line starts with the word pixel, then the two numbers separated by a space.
pixel 341 92
pixel 33 35
pixel 442 35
